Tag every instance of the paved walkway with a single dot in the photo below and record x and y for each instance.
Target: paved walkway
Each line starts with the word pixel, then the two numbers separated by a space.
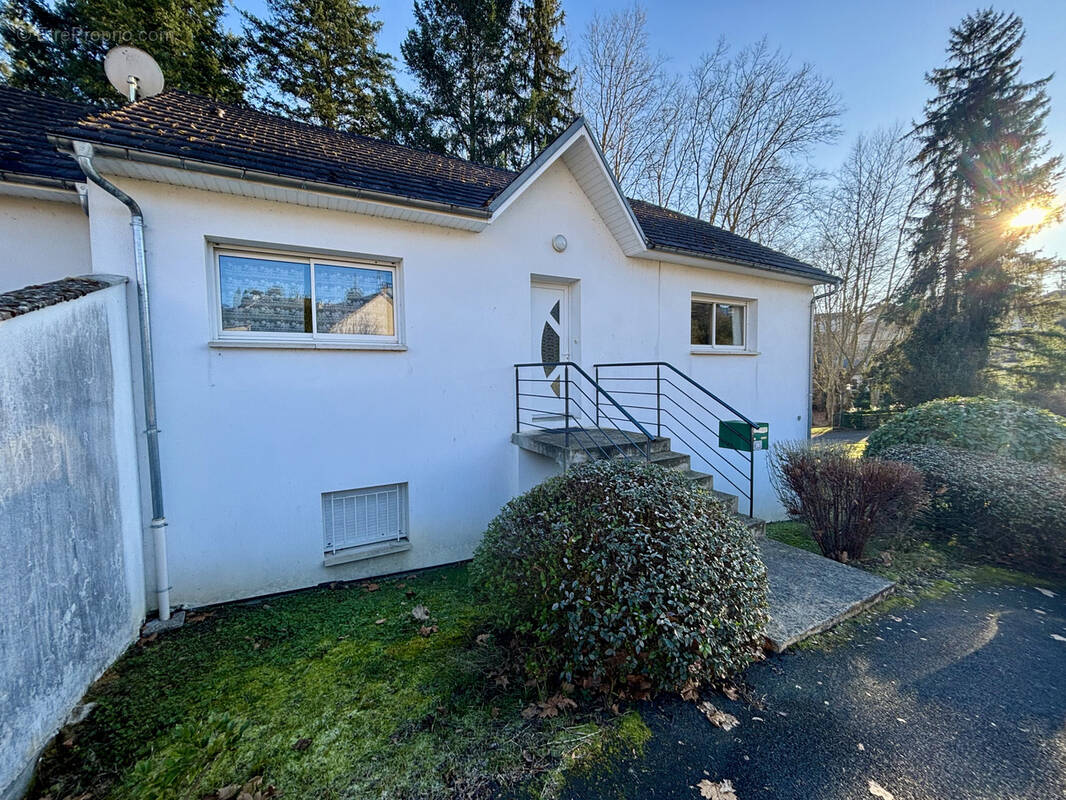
pixel 841 436
pixel 963 698
pixel 809 593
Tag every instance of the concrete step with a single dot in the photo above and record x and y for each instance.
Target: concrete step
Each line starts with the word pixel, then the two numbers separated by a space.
pixel 731 501
pixel 700 478
pixel 588 444
pixel 671 460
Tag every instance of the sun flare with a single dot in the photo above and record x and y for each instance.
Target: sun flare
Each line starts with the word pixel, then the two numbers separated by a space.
pixel 1029 217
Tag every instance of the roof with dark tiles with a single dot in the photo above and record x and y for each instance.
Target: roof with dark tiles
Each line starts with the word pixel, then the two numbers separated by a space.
pixel 192 127
pixel 670 230
pixel 196 128
pixel 25 117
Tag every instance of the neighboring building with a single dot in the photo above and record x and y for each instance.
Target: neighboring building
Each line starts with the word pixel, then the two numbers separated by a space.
pixel 336 323
pixel 43 227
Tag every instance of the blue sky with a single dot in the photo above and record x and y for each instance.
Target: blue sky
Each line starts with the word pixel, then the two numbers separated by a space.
pixel 875 51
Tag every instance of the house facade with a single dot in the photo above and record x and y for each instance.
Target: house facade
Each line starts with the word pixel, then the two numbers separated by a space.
pixel 336 321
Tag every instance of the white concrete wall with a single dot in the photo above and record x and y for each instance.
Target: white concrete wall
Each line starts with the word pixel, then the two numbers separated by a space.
pixel 42 241
pixel 71 570
pixel 252 437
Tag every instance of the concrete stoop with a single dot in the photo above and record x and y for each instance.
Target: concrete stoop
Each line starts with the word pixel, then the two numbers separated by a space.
pixel 594 444
pixel 810 594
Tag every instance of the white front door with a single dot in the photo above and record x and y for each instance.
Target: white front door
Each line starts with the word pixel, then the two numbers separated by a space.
pixel 551 338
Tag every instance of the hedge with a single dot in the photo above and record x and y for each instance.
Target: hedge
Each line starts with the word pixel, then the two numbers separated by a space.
pixel 619 568
pixel 1001 509
pixel 981 424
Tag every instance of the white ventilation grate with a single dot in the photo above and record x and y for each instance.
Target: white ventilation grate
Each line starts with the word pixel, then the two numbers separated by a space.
pixel 364 516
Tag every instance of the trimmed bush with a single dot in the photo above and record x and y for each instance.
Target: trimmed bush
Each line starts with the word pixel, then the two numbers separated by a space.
pixel 619 568
pixel 846 501
pixel 1001 509
pixel 982 424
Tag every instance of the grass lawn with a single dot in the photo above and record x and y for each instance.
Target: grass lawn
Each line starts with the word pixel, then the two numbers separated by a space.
pixel 328 693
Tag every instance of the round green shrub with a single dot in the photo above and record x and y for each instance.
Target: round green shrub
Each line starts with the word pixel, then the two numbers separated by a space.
pixel 982 424
pixel 619 568
pixel 1000 509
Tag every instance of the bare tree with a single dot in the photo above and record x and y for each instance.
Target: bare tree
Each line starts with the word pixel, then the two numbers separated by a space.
pixel 728 143
pixel 861 237
pixel 621 90
pixel 753 121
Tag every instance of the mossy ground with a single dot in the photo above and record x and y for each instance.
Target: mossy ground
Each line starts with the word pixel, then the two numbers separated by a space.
pixel 383 710
pixel 922 570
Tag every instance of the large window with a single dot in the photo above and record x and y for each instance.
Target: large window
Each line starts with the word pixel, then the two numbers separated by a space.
pixel 282 298
pixel 719 324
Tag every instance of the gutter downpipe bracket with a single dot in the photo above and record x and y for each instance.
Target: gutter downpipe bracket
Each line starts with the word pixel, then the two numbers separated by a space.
pixel 83 154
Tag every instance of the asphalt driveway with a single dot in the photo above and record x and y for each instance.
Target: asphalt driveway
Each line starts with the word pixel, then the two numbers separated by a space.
pixel 963 697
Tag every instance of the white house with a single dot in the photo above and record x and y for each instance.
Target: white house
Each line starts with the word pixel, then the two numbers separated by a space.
pixel 335 324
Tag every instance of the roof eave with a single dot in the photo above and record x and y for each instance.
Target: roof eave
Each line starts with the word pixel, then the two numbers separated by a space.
pixel 65 142
pixel 814 280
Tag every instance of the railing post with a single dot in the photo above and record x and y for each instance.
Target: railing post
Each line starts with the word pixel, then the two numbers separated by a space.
pixel 597 368
pixel 566 381
pixel 517 413
pixel 658 401
pixel 751 472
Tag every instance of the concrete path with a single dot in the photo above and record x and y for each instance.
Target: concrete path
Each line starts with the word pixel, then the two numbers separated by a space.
pixel 809 593
pixel 962 698
pixel 840 436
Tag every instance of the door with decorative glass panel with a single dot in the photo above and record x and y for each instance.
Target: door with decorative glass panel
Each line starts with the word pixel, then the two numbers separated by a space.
pixel 551 337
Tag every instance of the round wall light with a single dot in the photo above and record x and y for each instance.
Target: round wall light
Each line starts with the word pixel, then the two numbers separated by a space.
pixel 559 242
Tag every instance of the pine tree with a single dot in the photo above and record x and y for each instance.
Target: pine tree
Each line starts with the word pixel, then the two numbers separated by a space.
pixel 547 86
pixel 317 61
pixel 59 48
pixel 462 53
pixel 983 156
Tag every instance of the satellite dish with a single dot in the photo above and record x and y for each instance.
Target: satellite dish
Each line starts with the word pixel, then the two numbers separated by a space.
pixel 133 72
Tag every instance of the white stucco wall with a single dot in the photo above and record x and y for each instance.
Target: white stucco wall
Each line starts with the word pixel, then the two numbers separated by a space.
pixel 42 241
pixel 71 569
pixel 252 437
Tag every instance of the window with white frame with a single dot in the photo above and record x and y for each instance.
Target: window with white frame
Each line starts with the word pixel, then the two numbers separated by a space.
pixel 274 296
pixel 358 517
pixel 720 324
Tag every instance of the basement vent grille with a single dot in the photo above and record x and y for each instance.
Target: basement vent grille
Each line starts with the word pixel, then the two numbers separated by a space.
pixel 358 517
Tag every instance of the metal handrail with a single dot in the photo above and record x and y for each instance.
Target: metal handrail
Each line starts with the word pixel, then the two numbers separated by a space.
pixel 659 410
pixel 671 367
pixel 569 400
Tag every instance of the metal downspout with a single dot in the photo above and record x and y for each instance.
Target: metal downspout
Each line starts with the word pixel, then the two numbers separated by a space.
pixel 810 358
pixel 83 153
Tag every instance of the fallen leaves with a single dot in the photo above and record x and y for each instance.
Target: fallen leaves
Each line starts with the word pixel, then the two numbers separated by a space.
pixel 371 587
pixel 718 717
pixel 551 707
pixel 722 790
pixel 301 744
pixel 877 790
pixel 427 630
pixel 420 613
pixel 483 638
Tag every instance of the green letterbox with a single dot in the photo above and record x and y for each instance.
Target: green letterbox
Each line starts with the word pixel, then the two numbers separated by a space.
pixel 733 434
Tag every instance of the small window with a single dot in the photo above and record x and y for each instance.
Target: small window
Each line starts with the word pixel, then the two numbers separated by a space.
pixel 284 297
pixel 719 324
pixel 359 517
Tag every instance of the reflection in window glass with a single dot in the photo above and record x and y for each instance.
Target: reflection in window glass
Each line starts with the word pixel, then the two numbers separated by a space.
pixel 261 294
pixel 702 313
pixel 354 300
pixel 729 325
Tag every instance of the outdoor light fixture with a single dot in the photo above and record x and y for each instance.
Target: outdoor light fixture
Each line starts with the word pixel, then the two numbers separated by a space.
pixel 559 243
pixel 1029 217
